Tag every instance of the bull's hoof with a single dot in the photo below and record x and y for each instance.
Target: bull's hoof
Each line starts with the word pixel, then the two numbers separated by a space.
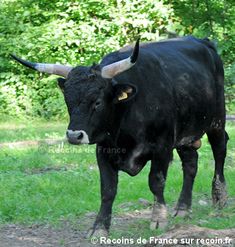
pixel 159 217
pixel 158 225
pixel 219 193
pixel 97 233
pixel 183 213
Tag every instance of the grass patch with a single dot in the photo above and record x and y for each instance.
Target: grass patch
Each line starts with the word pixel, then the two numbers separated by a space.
pixel 31 130
pixel 48 183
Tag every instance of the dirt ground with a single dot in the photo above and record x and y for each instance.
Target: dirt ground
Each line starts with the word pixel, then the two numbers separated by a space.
pixel 74 235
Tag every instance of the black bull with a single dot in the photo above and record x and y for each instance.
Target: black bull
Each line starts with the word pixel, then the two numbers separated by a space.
pixel 137 110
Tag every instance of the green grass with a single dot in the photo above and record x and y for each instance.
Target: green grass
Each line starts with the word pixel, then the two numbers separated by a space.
pixel 11 131
pixel 48 183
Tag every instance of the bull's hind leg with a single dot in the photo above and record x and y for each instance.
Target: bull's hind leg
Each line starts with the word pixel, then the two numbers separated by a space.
pixel 218 138
pixel 189 158
pixel 157 178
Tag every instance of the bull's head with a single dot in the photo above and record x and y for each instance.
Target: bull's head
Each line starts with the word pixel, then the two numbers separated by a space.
pixel 91 95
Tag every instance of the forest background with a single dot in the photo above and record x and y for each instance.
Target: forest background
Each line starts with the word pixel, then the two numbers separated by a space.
pixel 81 32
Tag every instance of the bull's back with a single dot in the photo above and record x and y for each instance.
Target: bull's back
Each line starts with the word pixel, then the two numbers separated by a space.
pixel 187 76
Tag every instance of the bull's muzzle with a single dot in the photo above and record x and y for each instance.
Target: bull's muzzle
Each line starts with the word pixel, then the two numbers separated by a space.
pixel 77 137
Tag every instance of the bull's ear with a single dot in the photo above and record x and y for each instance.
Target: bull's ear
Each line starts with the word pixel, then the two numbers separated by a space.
pixel 124 92
pixel 61 82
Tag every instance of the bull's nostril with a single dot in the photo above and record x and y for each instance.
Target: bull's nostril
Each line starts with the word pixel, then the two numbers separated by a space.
pixel 80 136
pixel 74 136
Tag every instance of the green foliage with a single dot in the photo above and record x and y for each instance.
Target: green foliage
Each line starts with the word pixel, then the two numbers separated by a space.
pixel 230 86
pixel 81 32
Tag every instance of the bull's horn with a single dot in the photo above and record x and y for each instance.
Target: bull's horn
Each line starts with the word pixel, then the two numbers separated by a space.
pixel 109 71
pixel 57 69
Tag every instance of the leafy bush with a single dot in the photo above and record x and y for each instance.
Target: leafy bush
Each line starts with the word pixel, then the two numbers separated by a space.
pixel 81 32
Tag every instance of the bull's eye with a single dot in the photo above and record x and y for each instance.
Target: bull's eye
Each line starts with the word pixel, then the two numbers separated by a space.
pixel 98 104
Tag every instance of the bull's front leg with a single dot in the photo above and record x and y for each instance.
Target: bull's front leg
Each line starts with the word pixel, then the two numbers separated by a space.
pixel 108 182
pixel 157 178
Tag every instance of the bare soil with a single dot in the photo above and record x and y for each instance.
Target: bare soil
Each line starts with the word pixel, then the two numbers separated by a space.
pixel 74 234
